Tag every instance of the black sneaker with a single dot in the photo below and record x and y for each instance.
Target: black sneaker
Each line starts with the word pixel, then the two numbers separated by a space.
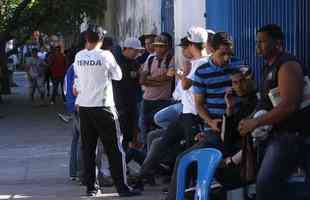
pixel 74 178
pixel 92 193
pixel 130 193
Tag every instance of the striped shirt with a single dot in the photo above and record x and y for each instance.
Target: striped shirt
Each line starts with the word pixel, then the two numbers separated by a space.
pixel 212 81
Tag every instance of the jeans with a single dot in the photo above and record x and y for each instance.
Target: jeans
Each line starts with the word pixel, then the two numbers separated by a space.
pixel 36 84
pixel 283 154
pixel 75 156
pixel 148 109
pixel 165 116
pixel 154 135
pixel 136 155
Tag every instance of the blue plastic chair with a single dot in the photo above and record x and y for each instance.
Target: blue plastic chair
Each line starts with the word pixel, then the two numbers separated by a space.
pixel 207 161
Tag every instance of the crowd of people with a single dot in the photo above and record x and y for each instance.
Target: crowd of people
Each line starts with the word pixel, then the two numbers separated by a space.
pixel 43 68
pixel 133 104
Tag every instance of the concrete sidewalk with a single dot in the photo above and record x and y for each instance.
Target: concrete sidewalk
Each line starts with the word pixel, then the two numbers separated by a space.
pixel 34 153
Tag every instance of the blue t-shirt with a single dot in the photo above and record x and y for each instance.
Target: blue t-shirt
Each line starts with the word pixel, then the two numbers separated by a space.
pixel 68 89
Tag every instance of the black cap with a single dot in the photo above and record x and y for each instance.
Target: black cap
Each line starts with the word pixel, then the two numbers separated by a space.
pixel 184 42
pixel 108 41
pixel 98 30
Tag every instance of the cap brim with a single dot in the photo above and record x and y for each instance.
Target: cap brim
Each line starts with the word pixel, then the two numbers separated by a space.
pixel 181 45
pixel 159 44
pixel 137 48
pixel 210 31
pixel 197 42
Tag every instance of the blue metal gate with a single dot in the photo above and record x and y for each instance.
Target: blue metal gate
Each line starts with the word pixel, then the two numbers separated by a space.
pixel 303 31
pixel 242 18
pixel 167 16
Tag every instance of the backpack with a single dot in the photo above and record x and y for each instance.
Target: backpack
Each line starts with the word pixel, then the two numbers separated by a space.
pixel 151 59
pixel 167 62
pixel 68 89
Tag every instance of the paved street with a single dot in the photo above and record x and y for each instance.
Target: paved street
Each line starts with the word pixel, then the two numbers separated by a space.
pixel 34 152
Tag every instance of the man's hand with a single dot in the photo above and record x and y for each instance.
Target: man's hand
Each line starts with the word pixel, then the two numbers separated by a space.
pixel 247 125
pixel 225 162
pixel 75 92
pixel 77 108
pixel 215 125
pixel 230 99
pixel 159 78
pixel 171 72
pixel 200 137
pixel 135 145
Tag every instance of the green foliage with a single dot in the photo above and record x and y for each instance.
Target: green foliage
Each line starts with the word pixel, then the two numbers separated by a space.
pixel 20 17
pixel 6 11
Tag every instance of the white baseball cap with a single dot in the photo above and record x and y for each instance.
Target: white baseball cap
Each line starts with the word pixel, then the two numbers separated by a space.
pixel 210 31
pixel 197 34
pixel 133 43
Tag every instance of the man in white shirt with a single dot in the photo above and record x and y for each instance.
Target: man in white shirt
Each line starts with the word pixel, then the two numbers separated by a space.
pixel 186 125
pixel 95 69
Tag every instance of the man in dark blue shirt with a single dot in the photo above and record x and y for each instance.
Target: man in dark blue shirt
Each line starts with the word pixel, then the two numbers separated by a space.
pixel 288 112
pixel 127 91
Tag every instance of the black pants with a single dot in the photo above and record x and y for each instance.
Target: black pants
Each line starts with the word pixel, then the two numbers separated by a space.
pixel 149 108
pixel 184 127
pixel 56 82
pixel 128 118
pixel 47 79
pixel 99 122
pixel 37 84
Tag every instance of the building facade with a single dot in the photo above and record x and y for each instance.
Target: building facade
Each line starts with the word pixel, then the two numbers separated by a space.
pixel 241 18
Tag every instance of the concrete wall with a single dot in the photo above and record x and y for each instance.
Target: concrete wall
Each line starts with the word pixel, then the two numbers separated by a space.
pixel 127 18
pixel 131 18
pixel 186 14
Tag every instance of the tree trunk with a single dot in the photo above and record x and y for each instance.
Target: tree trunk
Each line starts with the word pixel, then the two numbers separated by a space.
pixel 4 79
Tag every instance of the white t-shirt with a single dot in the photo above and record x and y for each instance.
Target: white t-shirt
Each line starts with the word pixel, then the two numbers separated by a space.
pixel 187 96
pixel 94 71
pixel 178 91
pixel 195 64
pixel 42 55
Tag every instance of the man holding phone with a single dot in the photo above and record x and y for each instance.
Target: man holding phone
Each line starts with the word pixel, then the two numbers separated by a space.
pixel 210 80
